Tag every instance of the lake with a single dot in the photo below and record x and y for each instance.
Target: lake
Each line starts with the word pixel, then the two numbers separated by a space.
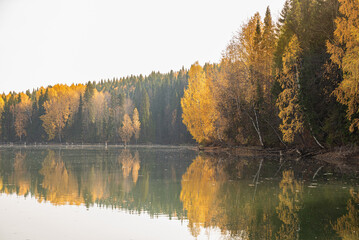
pixel 93 192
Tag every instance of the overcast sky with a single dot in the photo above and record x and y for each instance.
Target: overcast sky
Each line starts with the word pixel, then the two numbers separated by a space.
pixel 44 42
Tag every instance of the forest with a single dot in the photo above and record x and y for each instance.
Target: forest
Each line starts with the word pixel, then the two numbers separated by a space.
pixel 278 84
pixel 134 109
pixel 294 82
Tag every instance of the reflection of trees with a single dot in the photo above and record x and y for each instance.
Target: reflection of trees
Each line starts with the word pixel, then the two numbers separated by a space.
pixel 289 206
pixel 115 179
pixel 212 201
pixel 19 179
pixel 347 226
pixel 60 183
pixel 94 183
pixel 199 194
pixel 21 176
pixel 129 163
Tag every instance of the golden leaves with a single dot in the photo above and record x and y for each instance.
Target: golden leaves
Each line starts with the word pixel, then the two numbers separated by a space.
pixel 136 124
pixel 23 111
pixel 345 52
pixel 199 113
pixel 62 104
pixel 288 100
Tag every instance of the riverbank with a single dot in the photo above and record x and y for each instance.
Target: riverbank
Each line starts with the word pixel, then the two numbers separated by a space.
pixel 348 155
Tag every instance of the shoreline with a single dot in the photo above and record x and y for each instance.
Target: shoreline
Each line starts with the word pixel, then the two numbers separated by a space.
pixel 338 155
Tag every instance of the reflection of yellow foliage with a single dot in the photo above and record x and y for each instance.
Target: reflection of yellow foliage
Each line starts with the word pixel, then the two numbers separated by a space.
pixel 96 184
pixel 129 163
pixel 199 193
pixel 347 226
pixel 125 158
pixel 20 177
pixel 61 184
pixel 136 167
pixel 289 206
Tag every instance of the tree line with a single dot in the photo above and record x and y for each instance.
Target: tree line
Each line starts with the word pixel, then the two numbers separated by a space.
pixel 293 82
pixel 278 84
pixel 134 109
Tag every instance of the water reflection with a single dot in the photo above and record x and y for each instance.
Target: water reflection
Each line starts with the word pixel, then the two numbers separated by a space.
pixel 213 199
pixel 199 194
pixel 289 205
pixel 258 206
pixel 115 179
pixel 245 197
pixel 347 226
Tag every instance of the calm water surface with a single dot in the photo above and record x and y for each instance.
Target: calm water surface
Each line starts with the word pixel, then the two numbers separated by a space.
pixel 173 193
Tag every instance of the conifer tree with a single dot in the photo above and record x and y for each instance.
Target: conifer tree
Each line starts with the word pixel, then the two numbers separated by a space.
pixel 288 101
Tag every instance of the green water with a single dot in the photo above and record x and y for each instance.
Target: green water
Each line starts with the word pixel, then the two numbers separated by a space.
pixel 172 193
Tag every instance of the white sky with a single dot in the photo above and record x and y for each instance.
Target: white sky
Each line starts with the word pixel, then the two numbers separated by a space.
pixel 44 42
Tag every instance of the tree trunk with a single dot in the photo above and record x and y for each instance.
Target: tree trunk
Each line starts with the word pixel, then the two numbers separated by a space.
pixel 256 127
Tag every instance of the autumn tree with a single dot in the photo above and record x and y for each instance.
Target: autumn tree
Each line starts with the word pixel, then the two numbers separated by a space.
pixel 267 49
pixel 136 124
pixel 126 131
pixel 199 113
pixel 62 104
pixel 23 111
pixel 246 79
pixel 288 100
pixel 344 51
pixel 2 103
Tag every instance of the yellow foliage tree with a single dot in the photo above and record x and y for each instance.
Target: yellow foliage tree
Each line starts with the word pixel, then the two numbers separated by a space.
pixel 246 77
pixel 199 112
pixel 126 131
pixel 97 109
pixel 136 124
pixel 62 104
pixel 2 103
pixel 288 100
pixel 22 114
pixel 345 52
